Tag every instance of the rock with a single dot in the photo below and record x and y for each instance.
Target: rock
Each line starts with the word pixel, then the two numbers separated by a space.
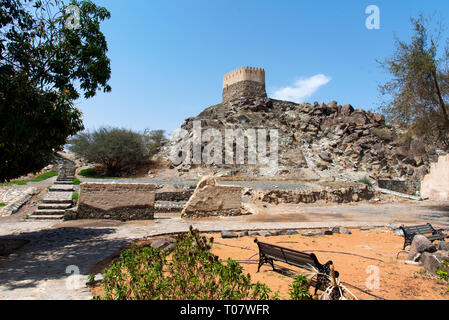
pixel 162 244
pixel 420 244
pixel 325 156
pixel 243 234
pixel 253 233
pixel 229 235
pixel 347 109
pixel 431 262
pixel 312 234
pixel 265 233
pixel 443 245
pixel 399 232
pixel 328 233
pixel 341 230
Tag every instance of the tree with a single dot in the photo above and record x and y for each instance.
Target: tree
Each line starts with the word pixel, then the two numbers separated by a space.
pixel 418 91
pixel 44 66
pixel 116 149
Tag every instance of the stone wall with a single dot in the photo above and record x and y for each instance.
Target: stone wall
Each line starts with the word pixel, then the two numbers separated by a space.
pixel 175 196
pixel 210 199
pixel 342 195
pixel 401 186
pixel 435 185
pixel 244 82
pixel 244 89
pixel 244 74
pixel 115 201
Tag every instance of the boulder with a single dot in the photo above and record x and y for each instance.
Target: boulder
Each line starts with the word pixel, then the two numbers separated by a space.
pixel 431 262
pixel 162 244
pixel 420 245
pixel 229 235
pixel 443 245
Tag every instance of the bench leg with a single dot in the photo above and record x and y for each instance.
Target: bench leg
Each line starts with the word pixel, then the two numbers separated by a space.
pixel 262 261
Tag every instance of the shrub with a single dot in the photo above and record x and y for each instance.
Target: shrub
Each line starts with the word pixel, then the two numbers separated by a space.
pixel 75 196
pixel 444 274
pixel 366 181
pixel 299 289
pixel 76 182
pixel 188 271
pixel 115 148
pixel 2 204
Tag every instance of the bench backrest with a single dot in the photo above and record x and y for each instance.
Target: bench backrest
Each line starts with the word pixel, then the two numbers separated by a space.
pixel 290 256
pixel 423 229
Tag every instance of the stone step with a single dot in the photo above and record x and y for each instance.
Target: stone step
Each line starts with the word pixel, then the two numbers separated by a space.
pixel 60 217
pixel 50 212
pixel 58 197
pixel 64 182
pixel 57 206
pixel 62 188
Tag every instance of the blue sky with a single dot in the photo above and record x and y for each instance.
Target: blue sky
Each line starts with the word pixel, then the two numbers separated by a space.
pixel 169 57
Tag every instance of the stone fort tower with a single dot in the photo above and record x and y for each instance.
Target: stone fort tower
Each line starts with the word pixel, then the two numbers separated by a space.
pixel 247 82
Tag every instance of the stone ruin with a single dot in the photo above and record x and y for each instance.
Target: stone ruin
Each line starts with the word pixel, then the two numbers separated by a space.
pixel 115 201
pixel 211 199
pixel 244 82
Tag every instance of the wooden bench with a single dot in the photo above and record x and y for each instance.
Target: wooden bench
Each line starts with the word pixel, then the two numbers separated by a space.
pixel 426 230
pixel 269 252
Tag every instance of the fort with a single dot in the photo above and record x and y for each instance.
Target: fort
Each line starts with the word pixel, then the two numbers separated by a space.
pixel 244 82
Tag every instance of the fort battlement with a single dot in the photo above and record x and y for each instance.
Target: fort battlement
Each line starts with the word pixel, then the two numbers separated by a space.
pixel 244 82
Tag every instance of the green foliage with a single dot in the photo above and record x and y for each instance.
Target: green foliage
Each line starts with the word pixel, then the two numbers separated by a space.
pixel 188 271
pixel 75 196
pixel 39 178
pixel 366 181
pixel 88 173
pixel 418 91
pixel 76 182
pixel 443 273
pixel 2 204
pixel 116 149
pixel 299 289
pixel 43 68
pixel 44 176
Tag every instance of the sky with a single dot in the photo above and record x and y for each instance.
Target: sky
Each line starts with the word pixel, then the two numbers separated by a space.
pixel 168 58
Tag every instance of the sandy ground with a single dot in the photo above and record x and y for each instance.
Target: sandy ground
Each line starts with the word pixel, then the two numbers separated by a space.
pixel 356 257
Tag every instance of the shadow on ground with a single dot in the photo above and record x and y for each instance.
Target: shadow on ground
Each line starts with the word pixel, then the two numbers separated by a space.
pixel 50 252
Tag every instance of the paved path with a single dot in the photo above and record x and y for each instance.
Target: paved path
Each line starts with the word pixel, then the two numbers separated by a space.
pixel 45 268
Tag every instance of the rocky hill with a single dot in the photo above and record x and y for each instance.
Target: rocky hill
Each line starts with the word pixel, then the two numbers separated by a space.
pixel 318 141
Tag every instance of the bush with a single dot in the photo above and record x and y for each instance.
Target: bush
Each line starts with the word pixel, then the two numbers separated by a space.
pixel 366 181
pixel 2 204
pixel 188 271
pixel 444 274
pixel 299 289
pixel 88 173
pixel 116 149
pixel 77 182
pixel 75 196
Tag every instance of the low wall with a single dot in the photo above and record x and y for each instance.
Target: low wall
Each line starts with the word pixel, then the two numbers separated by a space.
pixel 115 201
pixel 435 185
pixel 342 195
pixel 176 196
pixel 396 185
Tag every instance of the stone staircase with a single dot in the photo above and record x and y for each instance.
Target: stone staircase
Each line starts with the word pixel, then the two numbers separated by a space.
pixel 59 197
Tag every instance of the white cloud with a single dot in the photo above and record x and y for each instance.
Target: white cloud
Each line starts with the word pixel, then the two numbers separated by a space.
pixel 303 88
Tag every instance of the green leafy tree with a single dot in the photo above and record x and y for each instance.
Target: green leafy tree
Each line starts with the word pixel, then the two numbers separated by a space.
pixel 116 149
pixel 418 91
pixel 44 66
